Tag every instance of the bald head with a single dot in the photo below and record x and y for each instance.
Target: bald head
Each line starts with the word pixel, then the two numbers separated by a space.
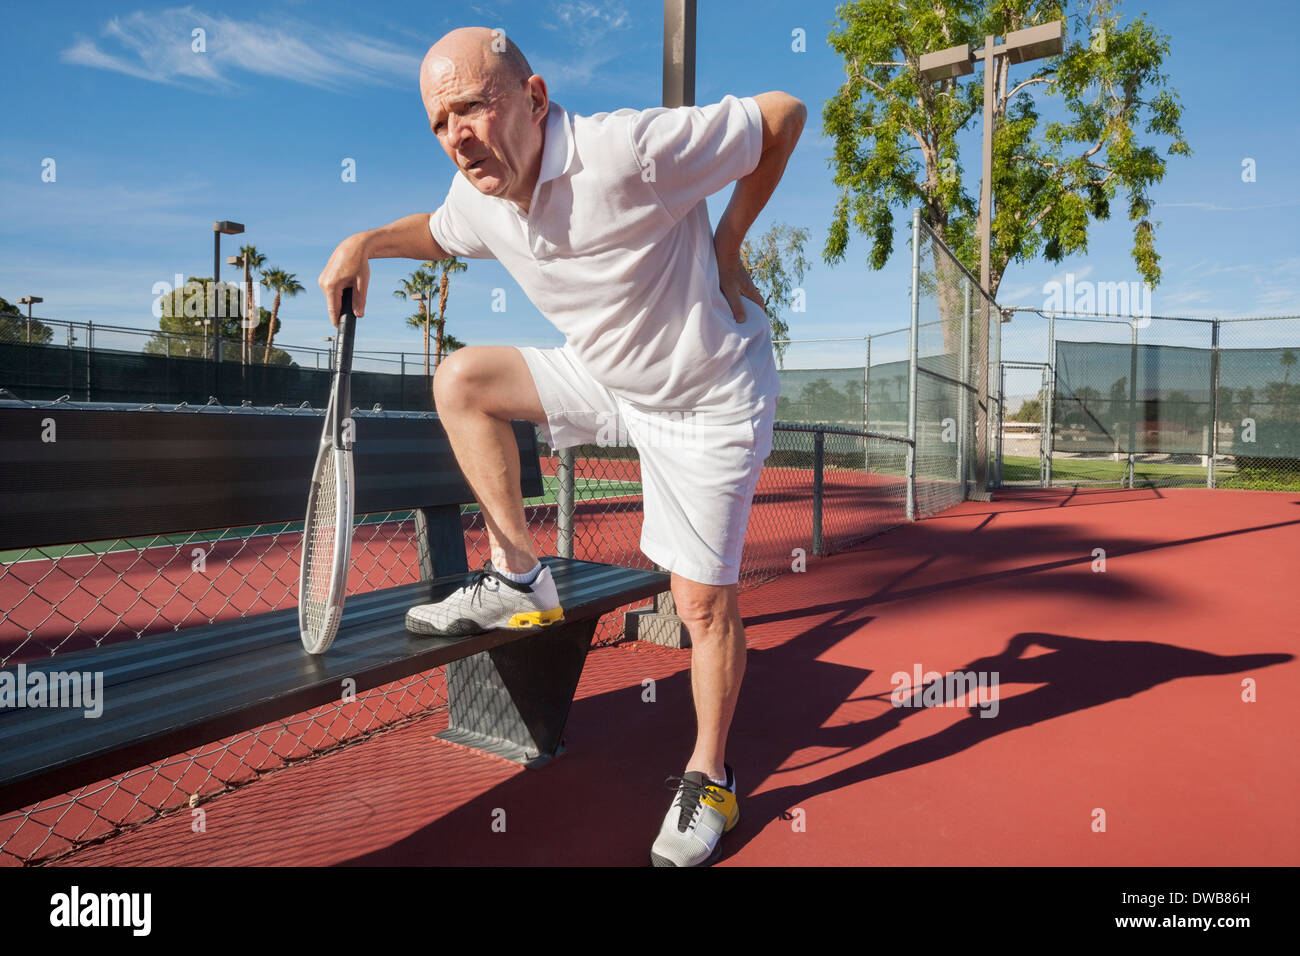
pixel 487 108
pixel 480 49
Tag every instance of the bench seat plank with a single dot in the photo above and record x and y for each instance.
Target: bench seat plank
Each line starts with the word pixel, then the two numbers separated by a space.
pixel 167 693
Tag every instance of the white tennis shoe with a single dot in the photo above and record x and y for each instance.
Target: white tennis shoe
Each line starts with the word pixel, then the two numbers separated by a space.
pixel 488 602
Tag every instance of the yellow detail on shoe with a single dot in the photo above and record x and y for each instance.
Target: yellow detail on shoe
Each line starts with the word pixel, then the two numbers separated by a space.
pixel 537 618
pixel 729 806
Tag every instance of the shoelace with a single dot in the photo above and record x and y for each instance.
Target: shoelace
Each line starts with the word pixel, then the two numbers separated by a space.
pixel 692 796
pixel 481 578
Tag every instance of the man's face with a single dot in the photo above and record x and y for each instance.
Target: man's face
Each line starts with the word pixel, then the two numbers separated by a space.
pixel 482 121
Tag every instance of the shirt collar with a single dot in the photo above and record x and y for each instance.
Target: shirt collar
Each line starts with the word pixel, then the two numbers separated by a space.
pixel 557 149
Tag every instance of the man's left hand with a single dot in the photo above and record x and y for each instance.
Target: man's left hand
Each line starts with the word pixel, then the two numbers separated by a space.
pixel 734 280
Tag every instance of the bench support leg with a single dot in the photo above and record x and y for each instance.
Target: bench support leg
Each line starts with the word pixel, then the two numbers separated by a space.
pixel 514 700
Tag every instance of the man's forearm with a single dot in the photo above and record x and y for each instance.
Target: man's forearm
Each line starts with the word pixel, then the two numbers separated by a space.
pixel 406 238
pixel 753 191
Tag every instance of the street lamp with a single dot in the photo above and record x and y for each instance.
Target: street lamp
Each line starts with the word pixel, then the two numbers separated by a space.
pixel 205 323
pixel 1020 46
pixel 27 300
pixel 220 228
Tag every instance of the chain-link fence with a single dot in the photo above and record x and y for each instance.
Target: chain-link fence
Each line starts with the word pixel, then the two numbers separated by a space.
pixel 820 491
pixel 1162 401
pixel 858 449
pixel 42 359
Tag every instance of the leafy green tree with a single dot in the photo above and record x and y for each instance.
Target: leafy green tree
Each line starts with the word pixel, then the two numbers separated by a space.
pixel 776 264
pixel 193 314
pixel 255 262
pixel 419 286
pixel 15 326
pixel 895 135
pixel 446 268
pixel 283 283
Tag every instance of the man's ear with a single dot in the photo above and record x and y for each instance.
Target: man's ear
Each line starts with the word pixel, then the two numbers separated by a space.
pixel 539 98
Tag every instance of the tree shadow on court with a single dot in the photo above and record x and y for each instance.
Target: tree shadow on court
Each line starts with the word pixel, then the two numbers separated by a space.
pixel 1075 673
pixel 601 803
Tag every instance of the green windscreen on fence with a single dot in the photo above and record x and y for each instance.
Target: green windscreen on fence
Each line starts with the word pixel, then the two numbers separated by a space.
pixel 823 396
pixel 1101 405
pixel 887 398
pixel 45 372
pixel 1259 397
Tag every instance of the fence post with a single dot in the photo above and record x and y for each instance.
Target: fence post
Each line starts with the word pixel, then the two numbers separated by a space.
pixel 963 394
pixel 1049 399
pixel 995 445
pixel 1132 400
pixel 866 408
pixel 911 364
pixel 1214 403
pixel 819 456
pixel 90 353
pixel 564 503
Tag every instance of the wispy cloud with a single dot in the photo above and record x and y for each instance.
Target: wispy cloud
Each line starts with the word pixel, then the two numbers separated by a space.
pixel 587 23
pixel 585 27
pixel 1216 207
pixel 158 47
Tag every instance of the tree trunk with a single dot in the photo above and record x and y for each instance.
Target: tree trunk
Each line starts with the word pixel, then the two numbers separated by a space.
pixel 249 314
pixel 270 332
pixel 443 287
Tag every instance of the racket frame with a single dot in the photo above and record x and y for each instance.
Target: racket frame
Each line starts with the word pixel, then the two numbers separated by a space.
pixel 335 447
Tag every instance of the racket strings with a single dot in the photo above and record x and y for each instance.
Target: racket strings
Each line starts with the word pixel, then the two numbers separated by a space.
pixel 320 552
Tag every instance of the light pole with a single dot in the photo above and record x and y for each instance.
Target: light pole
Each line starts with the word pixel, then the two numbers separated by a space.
pixel 205 323
pixel 27 300
pixel 1020 46
pixel 222 227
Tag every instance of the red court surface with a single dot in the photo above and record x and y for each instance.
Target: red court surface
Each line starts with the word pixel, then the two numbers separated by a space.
pixel 1119 700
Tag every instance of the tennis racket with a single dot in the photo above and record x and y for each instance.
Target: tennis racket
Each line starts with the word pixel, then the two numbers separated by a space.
pixel 327 530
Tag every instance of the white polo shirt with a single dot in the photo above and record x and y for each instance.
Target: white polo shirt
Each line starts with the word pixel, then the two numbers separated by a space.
pixel 617 252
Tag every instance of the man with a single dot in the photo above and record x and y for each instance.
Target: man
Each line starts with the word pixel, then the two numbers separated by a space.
pixel 602 221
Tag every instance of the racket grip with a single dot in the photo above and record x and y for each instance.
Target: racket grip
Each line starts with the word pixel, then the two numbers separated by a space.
pixel 347 301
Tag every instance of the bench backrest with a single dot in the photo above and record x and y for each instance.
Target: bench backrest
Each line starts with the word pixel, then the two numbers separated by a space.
pixel 70 474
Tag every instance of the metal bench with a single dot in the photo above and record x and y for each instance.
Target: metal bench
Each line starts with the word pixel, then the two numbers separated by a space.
pixel 117 473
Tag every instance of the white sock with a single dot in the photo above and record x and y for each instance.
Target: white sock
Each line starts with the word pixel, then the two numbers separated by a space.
pixel 526 577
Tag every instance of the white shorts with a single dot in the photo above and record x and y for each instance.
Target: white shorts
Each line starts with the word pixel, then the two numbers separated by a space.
pixel 697 479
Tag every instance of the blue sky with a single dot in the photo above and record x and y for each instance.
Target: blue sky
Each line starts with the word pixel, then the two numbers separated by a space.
pixel 153 142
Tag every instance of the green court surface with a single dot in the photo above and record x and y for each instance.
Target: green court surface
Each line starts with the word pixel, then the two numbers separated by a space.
pixel 1270 477
pixel 583 491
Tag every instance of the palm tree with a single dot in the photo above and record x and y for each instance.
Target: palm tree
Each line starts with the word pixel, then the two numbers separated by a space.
pixel 284 283
pixel 418 285
pixel 252 260
pixel 447 267
pixel 1287 360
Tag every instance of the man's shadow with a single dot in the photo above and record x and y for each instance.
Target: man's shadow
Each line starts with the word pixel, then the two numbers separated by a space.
pixel 1076 674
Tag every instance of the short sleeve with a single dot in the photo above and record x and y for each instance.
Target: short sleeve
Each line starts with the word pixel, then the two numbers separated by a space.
pixel 690 152
pixel 452 229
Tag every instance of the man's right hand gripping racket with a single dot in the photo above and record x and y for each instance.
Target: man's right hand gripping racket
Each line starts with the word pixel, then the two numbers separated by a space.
pixel 327 531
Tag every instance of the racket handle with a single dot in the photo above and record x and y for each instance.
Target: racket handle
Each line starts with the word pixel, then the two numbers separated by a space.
pixel 347 331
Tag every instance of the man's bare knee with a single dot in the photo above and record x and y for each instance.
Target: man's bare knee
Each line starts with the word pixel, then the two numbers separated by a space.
pixel 703 608
pixel 453 384
pixel 487 378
